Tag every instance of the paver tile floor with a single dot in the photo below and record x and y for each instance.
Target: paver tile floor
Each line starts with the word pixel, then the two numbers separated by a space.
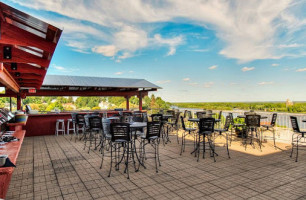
pixel 50 167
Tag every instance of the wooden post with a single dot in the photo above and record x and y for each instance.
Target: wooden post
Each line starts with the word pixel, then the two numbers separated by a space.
pixel 140 101
pixel 11 104
pixel 127 103
pixel 18 102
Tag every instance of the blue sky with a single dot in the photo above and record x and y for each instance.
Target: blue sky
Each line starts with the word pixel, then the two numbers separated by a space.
pixel 196 50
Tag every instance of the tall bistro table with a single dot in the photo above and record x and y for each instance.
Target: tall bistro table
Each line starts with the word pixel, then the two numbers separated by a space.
pixel 134 126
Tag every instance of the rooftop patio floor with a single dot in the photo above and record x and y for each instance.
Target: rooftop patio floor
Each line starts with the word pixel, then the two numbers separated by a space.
pixel 52 167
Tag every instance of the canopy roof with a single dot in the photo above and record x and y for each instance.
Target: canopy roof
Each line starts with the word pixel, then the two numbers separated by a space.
pixel 60 81
pixel 60 85
pixel 28 45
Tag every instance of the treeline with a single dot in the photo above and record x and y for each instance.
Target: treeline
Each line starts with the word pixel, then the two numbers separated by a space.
pixel 87 103
pixel 298 107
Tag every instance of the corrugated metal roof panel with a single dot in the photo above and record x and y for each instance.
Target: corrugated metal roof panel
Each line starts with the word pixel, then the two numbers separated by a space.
pixel 84 81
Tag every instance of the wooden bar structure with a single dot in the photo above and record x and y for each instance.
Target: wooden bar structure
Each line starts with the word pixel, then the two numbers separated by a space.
pixel 27 45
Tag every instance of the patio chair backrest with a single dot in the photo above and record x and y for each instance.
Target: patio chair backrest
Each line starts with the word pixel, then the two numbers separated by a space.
pixel 86 120
pixel 74 117
pixel 207 125
pixel 294 124
pixel 126 118
pixel 106 126
pixel 185 113
pixel 189 114
pixel 145 116
pixel 183 123
pixel 80 119
pixel 95 123
pixel 120 131
pixel 252 120
pixel 177 118
pixel 232 118
pixel 273 121
pixel 220 115
pixel 201 114
pixel 227 122
pixel 138 117
pixel 157 117
pixel 170 112
pixel 153 129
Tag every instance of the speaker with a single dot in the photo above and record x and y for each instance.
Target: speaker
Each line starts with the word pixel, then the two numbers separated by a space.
pixel 7 52
pixel 14 66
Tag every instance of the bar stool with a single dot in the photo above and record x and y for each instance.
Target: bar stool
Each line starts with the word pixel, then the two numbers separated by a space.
pixel 70 122
pixel 60 126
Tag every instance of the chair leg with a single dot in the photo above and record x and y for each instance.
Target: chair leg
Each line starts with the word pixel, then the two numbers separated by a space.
pixel 297 149
pixel 203 146
pixel 155 156
pixel 274 138
pixel 292 144
pixel 227 146
pixel 102 154
pixel 111 165
pixel 177 136
pixel 182 143
pixel 127 160
pixel 158 153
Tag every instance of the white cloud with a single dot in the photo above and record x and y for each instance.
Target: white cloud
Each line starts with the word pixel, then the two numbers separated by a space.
pixel 208 84
pixel 294 45
pixel 163 81
pixel 64 69
pixel 275 65
pixel 266 83
pixel 106 50
pixel 213 67
pixel 200 50
pixel 171 42
pixel 131 71
pixel 186 79
pixel 245 69
pixel 193 84
pixel 250 30
pixel 301 70
pixel 119 73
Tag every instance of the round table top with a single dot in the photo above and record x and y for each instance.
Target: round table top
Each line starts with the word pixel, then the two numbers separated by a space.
pixel 113 118
pixel 194 119
pixel 138 124
pixel 261 117
pixel 198 120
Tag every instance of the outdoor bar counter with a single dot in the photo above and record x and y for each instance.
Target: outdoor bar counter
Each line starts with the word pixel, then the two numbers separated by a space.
pixel 44 124
pixel 12 150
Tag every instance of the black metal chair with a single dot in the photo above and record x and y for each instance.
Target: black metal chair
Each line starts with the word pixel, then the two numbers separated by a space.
pixel 80 125
pixel 174 126
pixel 270 127
pixel 297 137
pixel 187 131
pixel 120 139
pixel 226 131
pixel 93 124
pixel 253 125
pixel 206 130
pixel 151 137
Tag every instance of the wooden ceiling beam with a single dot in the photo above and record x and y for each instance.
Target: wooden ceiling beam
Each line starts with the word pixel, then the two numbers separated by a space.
pixel 20 56
pixel 13 35
pixel 25 68
pixel 7 80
